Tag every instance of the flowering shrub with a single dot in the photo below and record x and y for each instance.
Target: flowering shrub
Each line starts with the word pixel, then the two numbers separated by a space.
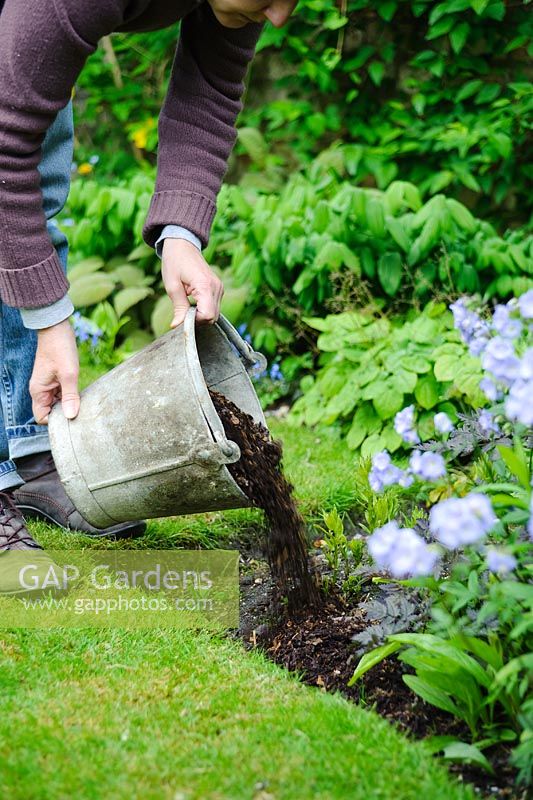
pixel 473 557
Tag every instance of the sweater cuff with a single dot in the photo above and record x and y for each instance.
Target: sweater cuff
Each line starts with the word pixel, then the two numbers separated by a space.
pixel 176 232
pixel 187 209
pixel 45 317
pixel 26 287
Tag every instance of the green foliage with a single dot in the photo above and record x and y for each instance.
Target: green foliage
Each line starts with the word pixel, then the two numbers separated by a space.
pixel 290 248
pixel 437 93
pixel 285 252
pixel 343 555
pixel 371 367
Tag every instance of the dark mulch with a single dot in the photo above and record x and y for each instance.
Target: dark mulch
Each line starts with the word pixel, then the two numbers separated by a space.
pixel 317 645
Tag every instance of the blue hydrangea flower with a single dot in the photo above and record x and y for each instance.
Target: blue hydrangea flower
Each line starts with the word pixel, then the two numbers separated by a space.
pixel 429 466
pixel 500 561
pixel 404 425
pixel 518 405
pixel 525 304
pixel 500 359
pixel 487 423
pixel 383 472
pixel 401 551
pixel 460 521
pixel 442 422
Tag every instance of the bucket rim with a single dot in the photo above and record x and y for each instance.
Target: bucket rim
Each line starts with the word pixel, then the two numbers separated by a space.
pixel 229 449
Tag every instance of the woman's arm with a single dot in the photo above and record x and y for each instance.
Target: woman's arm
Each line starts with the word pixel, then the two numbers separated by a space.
pixel 197 122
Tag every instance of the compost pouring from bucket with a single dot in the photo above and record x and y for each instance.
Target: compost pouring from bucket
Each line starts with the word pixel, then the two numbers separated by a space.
pixel 148 441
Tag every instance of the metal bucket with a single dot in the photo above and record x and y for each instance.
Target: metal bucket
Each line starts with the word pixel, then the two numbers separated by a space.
pixel 147 441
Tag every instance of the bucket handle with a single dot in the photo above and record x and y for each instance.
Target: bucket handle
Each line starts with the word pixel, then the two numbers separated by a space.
pixel 252 359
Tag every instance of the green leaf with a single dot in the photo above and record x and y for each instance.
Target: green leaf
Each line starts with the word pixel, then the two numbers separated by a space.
pixel 446 367
pixel 431 694
pixel 470 88
pixel 517 463
pixel 462 216
pixel 417 364
pixel 254 143
pixel 128 275
pixel 85 267
pixel 404 380
pixel 388 402
pixel 91 289
pixel 162 316
pixel 142 251
pixel 376 70
pixel 467 753
pixel 427 392
pixel 390 272
pixel 127 298
pixel 398 232
pixel 458 36
pixel 370 660
pixel 479 5
pixel 375 217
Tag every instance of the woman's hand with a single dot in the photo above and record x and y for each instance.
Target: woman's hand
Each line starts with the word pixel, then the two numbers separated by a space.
pixel 55 372
pixel 186 273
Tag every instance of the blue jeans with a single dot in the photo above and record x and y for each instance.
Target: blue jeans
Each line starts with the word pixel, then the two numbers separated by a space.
pixel 19 434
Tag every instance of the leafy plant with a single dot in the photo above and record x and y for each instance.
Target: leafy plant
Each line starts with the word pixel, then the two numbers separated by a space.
pixel 372 366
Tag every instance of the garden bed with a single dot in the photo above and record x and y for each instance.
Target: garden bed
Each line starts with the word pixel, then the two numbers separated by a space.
pixel 318 645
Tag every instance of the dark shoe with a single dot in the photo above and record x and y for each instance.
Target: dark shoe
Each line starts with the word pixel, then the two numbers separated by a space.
pixel 13 532
pixel 15 544
pixel 43 497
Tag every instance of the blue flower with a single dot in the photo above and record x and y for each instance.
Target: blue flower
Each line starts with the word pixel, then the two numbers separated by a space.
pixel 460 521
pixel 383 472
pixel 429 466
pixel 500 561
pixel 85 329
pixel 442 422
pixel 401 551
pixel 404 422
pixel 275 372
pixel 487 423
pixel 489 389
pixel 518 405
pixel 504 324
pixel 500 358
pixel 525 304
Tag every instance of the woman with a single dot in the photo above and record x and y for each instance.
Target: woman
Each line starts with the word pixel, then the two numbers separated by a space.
pixel 43 47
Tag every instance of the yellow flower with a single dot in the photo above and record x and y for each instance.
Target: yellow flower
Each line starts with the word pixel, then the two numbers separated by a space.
pixel 140 138
pixel 85 169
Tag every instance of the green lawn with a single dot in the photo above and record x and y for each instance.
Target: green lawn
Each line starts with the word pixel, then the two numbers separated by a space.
pixel 88 714
pixel 92 714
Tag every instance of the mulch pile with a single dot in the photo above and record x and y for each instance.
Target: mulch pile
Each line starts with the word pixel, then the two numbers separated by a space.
pixel 259 474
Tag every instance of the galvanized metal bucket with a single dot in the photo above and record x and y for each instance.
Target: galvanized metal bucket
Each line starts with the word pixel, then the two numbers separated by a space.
pixel 147 441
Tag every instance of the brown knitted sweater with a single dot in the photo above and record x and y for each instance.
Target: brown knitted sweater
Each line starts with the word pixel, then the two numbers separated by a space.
pixel 43 47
